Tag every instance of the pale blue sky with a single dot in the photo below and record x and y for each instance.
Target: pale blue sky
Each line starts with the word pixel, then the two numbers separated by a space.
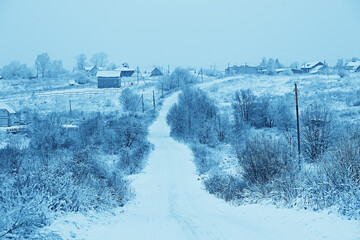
pixel 180 33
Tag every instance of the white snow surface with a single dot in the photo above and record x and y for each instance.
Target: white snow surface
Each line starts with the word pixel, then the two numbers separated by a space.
pixel 108 74
pixel 171 203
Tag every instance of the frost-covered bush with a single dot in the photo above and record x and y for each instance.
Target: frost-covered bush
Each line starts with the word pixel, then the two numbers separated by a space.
pixel 129 100
pixel 225 186
pixel 243 106
pixel 62 169
pixel 342 165
pixel 178 78
pixel 316 130
pixel 203 158
pixel 343 73
pixel 263 111
pixel 80 77
pixel 335 180
pixel 264 160
pixel 212 73
pixel 195 117
pixel 15 70
pixel 22 206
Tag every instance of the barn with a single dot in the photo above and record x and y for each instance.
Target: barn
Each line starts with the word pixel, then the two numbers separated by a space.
pixel 7 115
pixel 156 72
pixel 108 79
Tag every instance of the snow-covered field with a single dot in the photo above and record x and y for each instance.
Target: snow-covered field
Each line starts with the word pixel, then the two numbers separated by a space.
pixel 170 200
pixel 46 96
pixel 171 203
pixel 339 94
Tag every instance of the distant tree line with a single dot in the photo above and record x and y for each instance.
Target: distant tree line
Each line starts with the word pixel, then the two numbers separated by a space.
pixel 44 67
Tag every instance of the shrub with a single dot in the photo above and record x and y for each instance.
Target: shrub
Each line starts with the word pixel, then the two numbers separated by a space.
pixel 264 159
pixel 81 77
pixel 243 106
pixel 203 158
pixel 343 73
pixel 60 170
pixel 225 186
pixel 194 117
pixel 178 78
pixel 129 99
pixel 315 130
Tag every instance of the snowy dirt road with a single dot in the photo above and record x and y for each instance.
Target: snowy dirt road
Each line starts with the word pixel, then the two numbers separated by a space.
pixel 171 203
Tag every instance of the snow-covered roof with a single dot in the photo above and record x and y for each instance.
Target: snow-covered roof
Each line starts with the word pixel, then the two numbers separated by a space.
pixel 353 64
pixel 89 68
pixel 311 64
pixel 316 69
pixel 108 74
pixel 123 69
pixel 5 106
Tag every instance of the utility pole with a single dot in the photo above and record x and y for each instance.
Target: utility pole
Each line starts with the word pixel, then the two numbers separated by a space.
pixel 154 100
pixel 162 90
pixel 142 102
pixel 70 105
pixel 297 122
pixel 137 74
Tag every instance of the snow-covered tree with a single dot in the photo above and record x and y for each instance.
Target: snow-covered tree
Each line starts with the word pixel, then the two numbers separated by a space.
pixel 194 117
pixel 243 105
pixel 264 63
pixel 43 63
pixel 339 64
pixel 16 70
pixel 56 68
pixel 178 78
pixel 99 59
pixel 112 66
pixel 81 61
pixel 278 64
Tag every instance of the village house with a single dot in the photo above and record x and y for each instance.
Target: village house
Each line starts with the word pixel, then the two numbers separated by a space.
pixel 156 72
pixel 108 79
pixel 243 69
pixel 353 66
pixel 92 71
pixel 313 67
pixel 7 115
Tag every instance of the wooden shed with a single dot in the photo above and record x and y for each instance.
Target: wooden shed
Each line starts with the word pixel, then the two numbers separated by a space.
pixel 7 115
pixel 108 79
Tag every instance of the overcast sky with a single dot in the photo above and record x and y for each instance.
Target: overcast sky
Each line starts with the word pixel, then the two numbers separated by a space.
pixel 180 33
